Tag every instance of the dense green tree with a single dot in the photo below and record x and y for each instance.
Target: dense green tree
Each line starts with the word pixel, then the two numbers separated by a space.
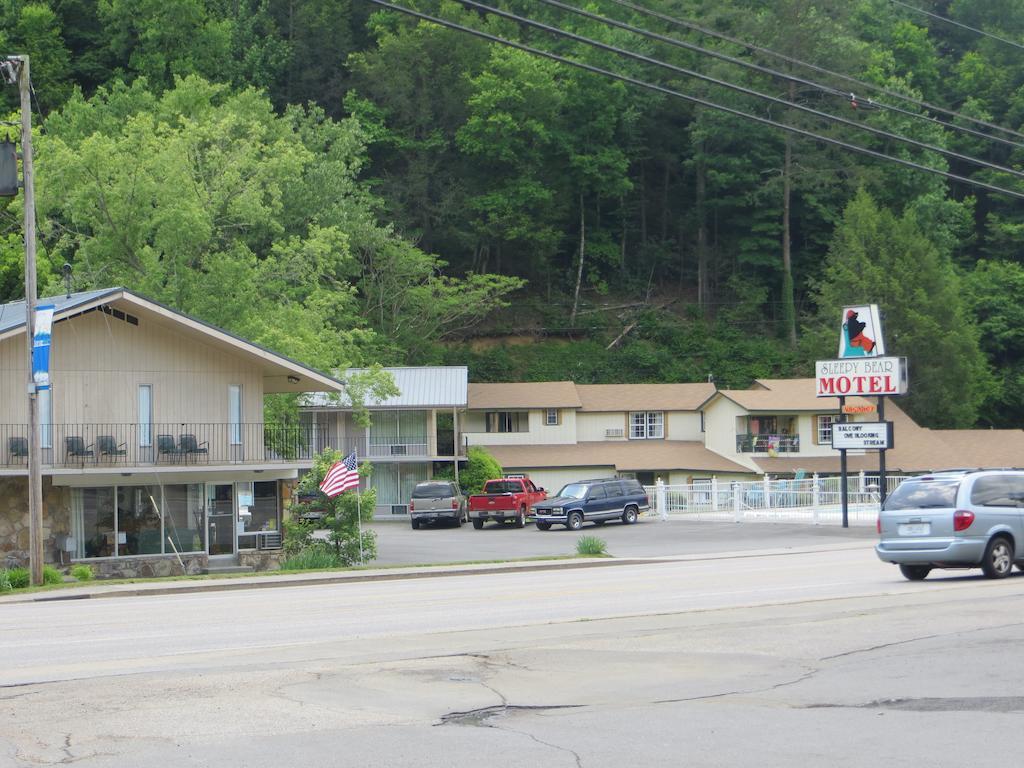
pixel 879 258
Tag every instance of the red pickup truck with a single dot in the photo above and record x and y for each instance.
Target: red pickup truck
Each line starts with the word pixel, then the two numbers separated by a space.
pixel 505 500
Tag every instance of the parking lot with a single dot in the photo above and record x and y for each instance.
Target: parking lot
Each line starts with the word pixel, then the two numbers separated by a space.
pixel 398 544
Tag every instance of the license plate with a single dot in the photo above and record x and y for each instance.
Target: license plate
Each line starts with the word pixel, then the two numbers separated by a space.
pixel 915 529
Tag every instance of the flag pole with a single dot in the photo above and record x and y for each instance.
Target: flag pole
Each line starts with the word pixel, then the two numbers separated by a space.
pixel 359 515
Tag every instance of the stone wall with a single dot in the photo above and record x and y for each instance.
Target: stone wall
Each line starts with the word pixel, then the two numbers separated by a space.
pixel 14 525
pixel 263 560
pixel 147 567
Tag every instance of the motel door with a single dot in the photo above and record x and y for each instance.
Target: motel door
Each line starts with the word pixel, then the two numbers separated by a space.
pixel 220 518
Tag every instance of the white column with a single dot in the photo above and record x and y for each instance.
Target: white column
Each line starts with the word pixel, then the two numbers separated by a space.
pixel 767 493
pixel 737 514
pixel 660 499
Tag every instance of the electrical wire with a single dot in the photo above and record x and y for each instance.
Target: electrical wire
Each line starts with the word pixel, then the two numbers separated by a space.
pixel 846 78
pixel 696 100
pixel 723 83
pixel 981 32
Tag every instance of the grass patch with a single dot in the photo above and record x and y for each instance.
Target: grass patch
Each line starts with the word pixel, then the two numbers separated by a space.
pixel 52 576
pixel 591 545
pixel 312 559
pixel 82 572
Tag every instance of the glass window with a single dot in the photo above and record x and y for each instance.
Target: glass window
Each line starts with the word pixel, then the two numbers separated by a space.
pixel 138 521
pixel 183 518
pixel 998 491
pixel 646 425
pixel 265 509
pixel 94 517
pixel 824 428
pixel 433 491
pixel 507 421
pixel 145 415
pixel 574 491
pixel 235 414
pixel 925 494
pixel 551 417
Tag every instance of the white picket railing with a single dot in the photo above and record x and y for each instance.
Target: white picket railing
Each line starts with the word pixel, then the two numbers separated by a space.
pixel 814 500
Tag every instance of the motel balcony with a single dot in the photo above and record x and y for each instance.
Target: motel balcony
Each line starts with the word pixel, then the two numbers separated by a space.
pixel 113 446
pixel 766 443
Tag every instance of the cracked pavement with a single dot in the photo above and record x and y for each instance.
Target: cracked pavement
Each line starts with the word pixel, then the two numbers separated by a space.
pixel 763 663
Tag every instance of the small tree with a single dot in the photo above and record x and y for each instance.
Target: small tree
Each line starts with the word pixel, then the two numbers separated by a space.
pixel 343 515
pixel 481 466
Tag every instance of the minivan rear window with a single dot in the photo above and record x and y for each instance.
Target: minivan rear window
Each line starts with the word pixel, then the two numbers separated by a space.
pixel 432 491
pixel 924 494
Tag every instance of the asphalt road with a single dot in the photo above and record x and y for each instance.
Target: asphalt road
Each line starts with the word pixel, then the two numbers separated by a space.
pixel 398 544
pixel 817 656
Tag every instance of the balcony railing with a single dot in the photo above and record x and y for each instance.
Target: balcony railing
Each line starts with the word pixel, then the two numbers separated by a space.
pixel 186 444
pixel 766 443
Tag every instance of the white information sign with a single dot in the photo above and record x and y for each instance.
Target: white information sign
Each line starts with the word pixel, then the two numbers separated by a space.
pixel 866 376
pixel 862 435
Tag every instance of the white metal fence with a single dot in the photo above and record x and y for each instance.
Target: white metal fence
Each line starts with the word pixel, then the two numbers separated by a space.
pixel 814 500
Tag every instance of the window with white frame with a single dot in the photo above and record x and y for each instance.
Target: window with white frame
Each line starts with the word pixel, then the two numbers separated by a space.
pixel 824 428
pixel 646 425
pixel 552 417
pixel 145 415
pixel 235 414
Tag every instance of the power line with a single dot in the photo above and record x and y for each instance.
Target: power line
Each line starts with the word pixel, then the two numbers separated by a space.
pixel 696 100
pixel 722 83
pixel 846 78
pixel 981 32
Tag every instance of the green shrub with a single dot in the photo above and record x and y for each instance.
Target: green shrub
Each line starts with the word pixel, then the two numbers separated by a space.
pixel 5 581
pixel 313 558
pixel 82 572
pixel 19 577
pixel 52 576
pixel 591 545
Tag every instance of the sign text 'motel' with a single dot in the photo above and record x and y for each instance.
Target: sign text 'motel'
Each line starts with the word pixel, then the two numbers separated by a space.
pixel 864 376
pixel 862 435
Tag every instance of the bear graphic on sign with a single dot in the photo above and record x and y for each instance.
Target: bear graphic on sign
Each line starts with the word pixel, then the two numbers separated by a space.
pixel 861 334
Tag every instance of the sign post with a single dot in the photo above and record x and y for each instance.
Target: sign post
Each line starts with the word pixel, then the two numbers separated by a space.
pixel 862 369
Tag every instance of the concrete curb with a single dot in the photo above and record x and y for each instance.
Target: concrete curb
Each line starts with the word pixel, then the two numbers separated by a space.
pixel 97 590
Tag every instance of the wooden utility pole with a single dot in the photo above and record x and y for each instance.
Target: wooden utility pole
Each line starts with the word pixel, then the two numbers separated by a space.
pixel 35 453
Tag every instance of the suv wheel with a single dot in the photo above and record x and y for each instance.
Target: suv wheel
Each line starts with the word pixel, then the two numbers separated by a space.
pixel 629 515
pixel 415 524
pixel 998 560
pixel 915 572
pixel 543 526
pixel 574 521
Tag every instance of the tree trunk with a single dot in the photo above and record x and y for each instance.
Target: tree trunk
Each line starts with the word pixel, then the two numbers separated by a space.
pixel 703 298
pixel 788 302
pixel 579 268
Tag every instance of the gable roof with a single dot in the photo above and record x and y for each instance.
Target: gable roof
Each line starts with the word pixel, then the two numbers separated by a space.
pixel 542 394
pixel 624 456
pixel 643 397
pixel 280 373
pixel 786 395
pixel 437 386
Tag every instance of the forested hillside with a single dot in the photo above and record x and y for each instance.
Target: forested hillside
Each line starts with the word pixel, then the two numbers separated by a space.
pixel 351 184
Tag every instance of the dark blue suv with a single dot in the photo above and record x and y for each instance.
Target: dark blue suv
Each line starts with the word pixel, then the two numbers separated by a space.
pixel 595 501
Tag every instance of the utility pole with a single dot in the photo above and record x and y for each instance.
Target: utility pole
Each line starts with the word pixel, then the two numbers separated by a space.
pixel 35 453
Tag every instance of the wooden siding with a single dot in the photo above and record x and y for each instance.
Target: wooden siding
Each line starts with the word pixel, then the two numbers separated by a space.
pixel 98 363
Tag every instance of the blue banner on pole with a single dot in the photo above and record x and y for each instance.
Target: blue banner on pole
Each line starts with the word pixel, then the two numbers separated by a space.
pixel 41 346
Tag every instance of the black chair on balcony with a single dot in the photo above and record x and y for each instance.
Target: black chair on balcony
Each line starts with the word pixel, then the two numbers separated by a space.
pixel 75 448
pixel 107 445
pixel 190 447
pixel 166 446
pixel 17 447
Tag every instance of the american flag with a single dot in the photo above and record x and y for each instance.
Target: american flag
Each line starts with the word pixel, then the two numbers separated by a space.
pixel 342 476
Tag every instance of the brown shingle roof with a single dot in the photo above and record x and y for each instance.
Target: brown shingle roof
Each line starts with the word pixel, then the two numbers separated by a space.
pixel 542 394
pixel 624 456
pixel 787 395
pixel 644 397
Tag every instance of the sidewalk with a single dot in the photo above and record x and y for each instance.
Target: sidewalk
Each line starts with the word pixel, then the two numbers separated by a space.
pixel 276 579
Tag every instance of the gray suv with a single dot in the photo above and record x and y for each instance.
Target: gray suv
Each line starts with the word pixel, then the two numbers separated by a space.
pixel 955 519
pixel 437 501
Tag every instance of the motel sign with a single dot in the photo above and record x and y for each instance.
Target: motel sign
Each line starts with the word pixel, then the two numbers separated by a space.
pixel 866 377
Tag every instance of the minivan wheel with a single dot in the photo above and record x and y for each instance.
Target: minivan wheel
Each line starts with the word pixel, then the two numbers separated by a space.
pixel 915 572
pixel 574 522
pixel 998 559
pixel 629 515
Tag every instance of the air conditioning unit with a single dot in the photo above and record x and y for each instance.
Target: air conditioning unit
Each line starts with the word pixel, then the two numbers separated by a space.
pixel 399 509
pixel 614 433
pixel 398 450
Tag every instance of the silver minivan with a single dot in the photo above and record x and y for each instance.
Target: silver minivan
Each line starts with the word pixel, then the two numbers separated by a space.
pixel 955 519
